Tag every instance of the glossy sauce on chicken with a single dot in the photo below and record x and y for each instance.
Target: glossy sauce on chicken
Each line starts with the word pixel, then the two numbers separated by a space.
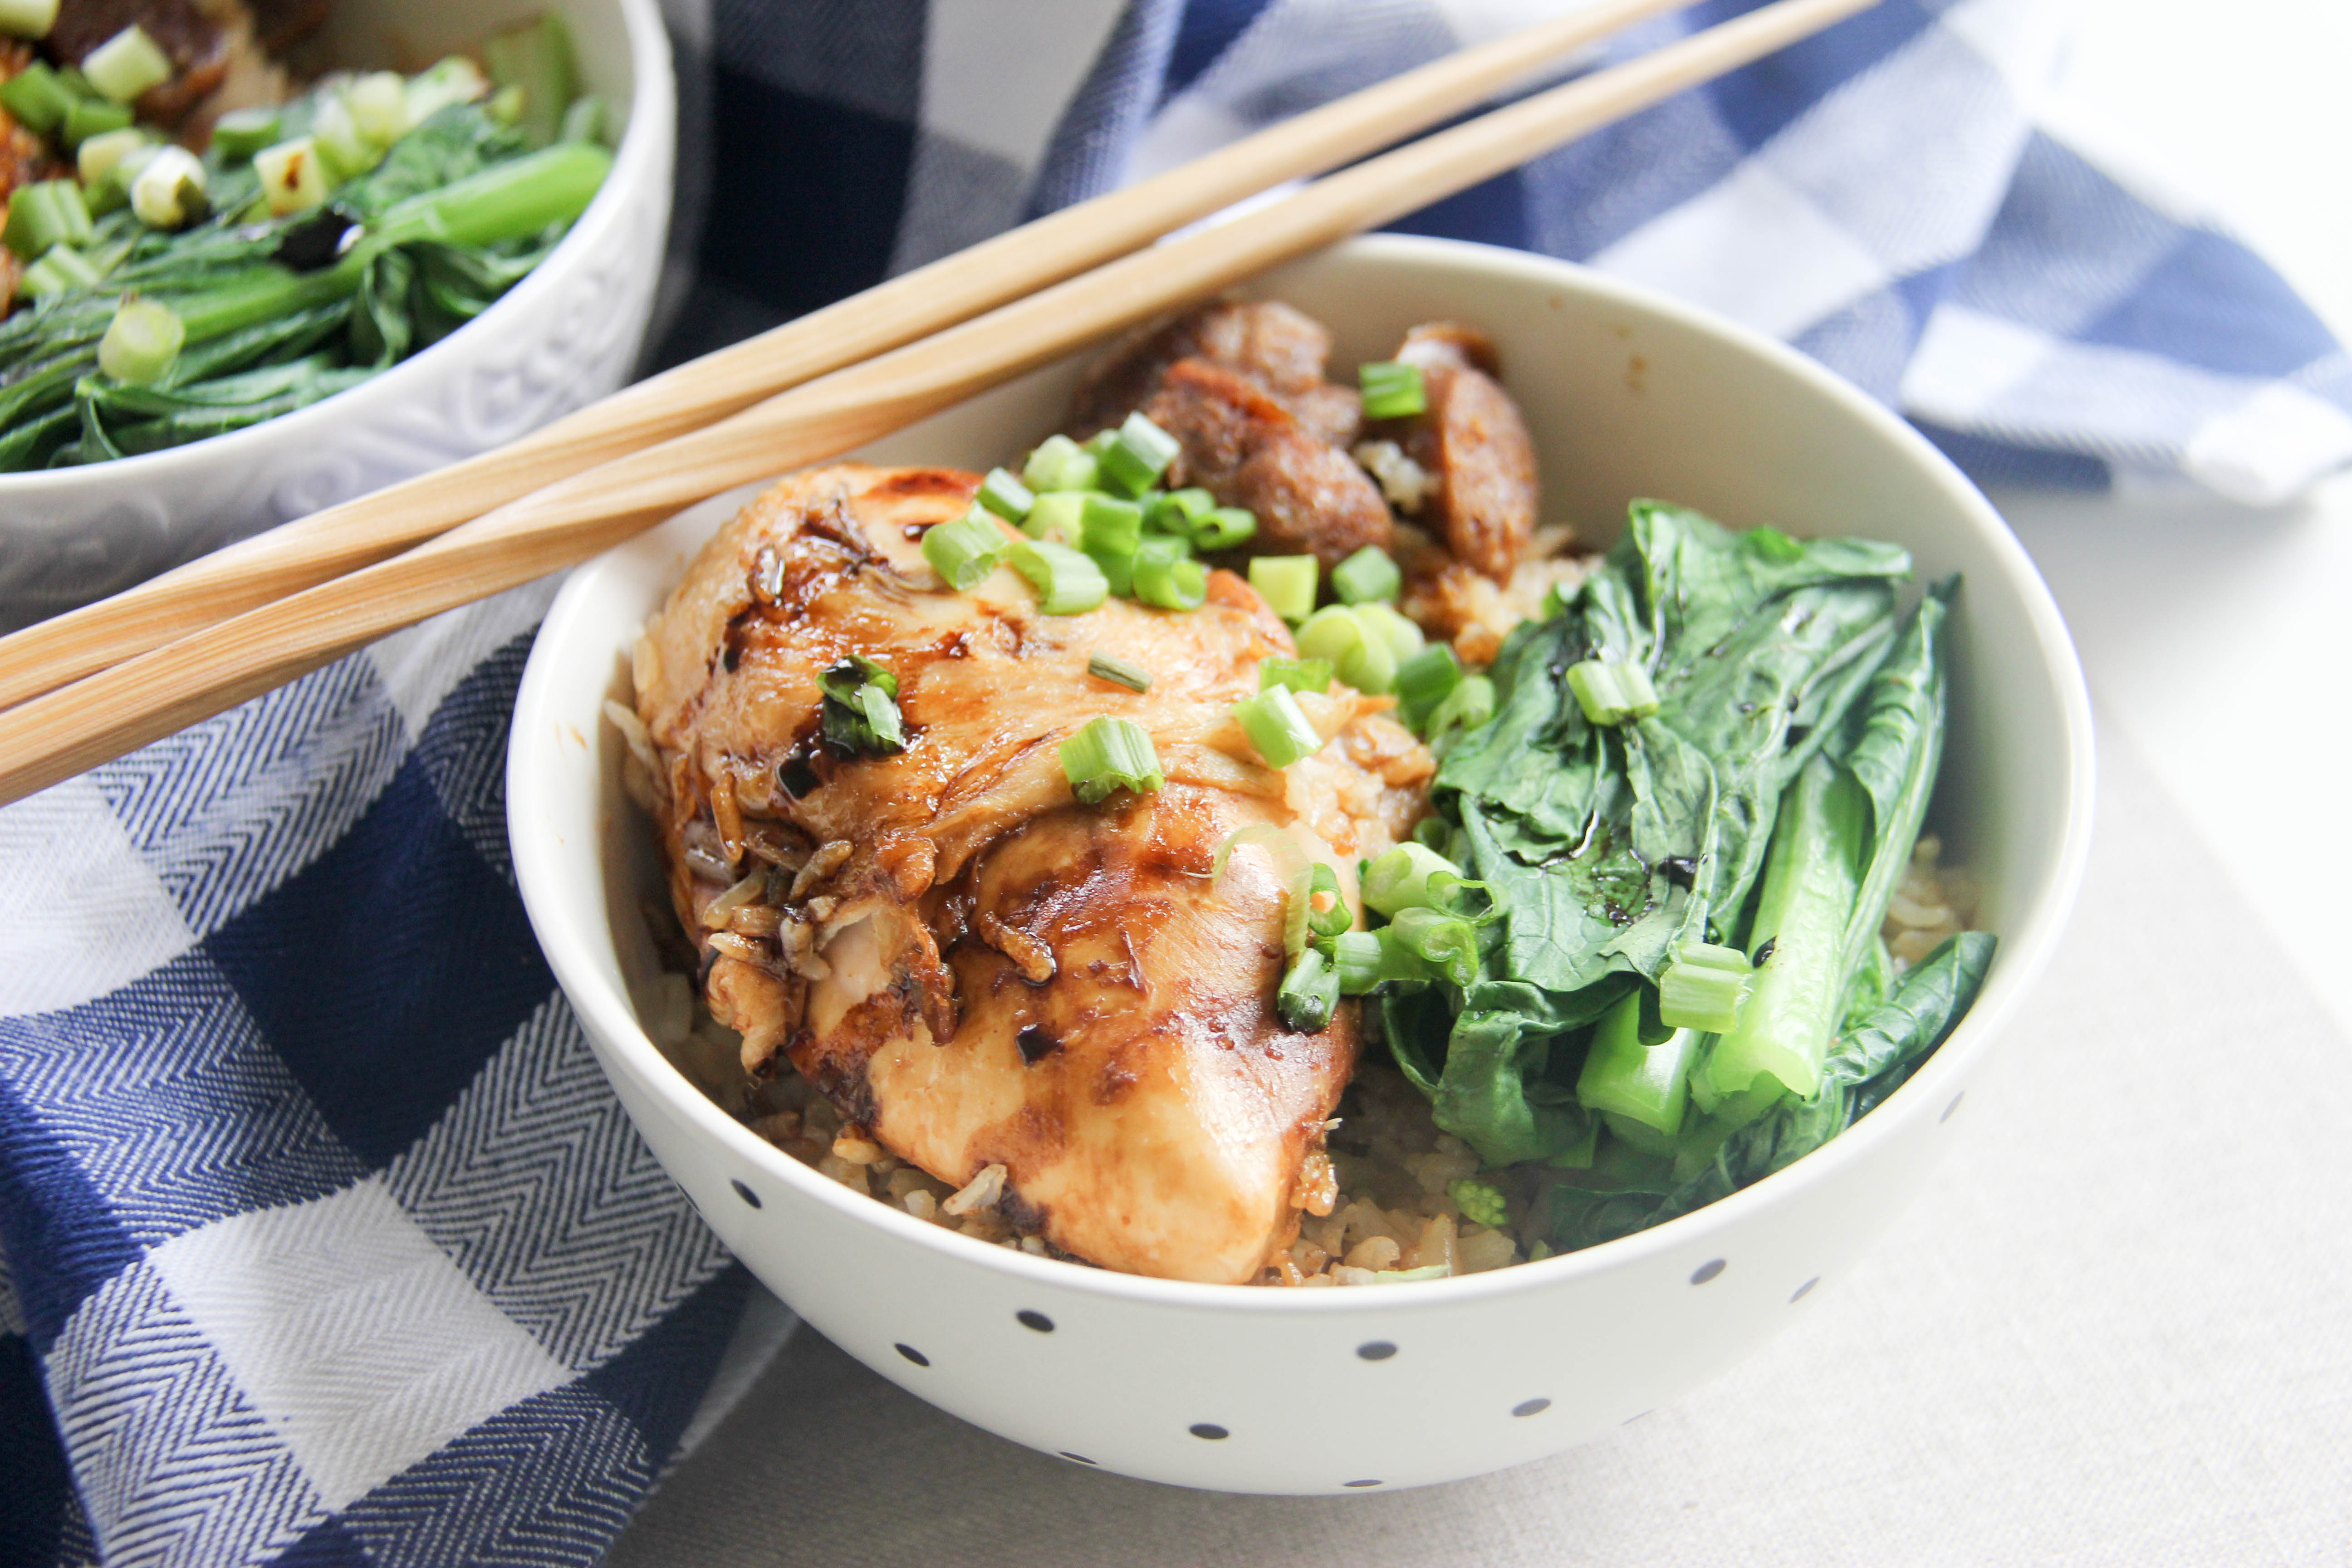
pixel 974 967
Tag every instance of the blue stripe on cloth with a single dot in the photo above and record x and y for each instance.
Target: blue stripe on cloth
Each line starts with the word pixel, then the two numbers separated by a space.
pixel 2212 303
pixel 463 753
pixel 388 969
pixel 655 1381
pixel 1089 146
pixel 172 1105
pixel 1208 29
pixel 1757 102
pixel 37 1498
pixel 1998 463
pixel 327 1545
pixel 52 1218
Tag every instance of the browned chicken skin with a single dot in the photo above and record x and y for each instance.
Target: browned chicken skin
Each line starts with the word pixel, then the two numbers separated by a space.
pixel 974 967
pixel 1472 441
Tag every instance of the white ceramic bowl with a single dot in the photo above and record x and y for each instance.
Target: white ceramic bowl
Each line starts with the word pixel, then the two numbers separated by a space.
pixel 1297 1390
pixel 563 336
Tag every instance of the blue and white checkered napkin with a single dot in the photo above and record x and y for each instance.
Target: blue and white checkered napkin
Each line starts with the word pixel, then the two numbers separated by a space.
pixel 327 1242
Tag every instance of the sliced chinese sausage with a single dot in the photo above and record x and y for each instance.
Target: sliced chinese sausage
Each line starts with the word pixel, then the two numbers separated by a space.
pixel 1247 449
pixel 1472 441
pixel 1279 349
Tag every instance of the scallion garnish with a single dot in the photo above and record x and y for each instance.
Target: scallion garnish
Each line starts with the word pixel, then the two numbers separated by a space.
pixel 1056 517
pixel 37 97
pixel 1224 528
pixel 1108 523
pixel 169 191
pixel 242 132
pixel 1391 390
pixel 1402 879
pixel 140 341
pixel 1424 681
pixel 860 713
pixel 1358 650
pixel 1446 943
pixel 1118 672
pixel 1286 583
pixel 1167 576
pixel 1298 674
pixel 1328 914
pixel 28 18
pixel 1309 993
pixel 92 117
pixel 1466 707
pixel 101 155
pixel 966 551
pixel 292 178
pixel 1611 692
pixel 1110 754
pixel 1005 496
pixel 1177 511
pixel 1367 576
pixel 60 269
pixel 1355 958
pixel 1277 727
pixel 1067 582
pixel 1137 455
pixel 126 65
pixel 1059 464
pixel 1702 987
pixel 45 213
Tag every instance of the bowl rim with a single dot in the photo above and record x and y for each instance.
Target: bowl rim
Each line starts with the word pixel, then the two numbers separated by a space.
pixel 652 103
pixel 609 1017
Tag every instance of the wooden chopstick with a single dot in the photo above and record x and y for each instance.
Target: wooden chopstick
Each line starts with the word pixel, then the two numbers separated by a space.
pixel 105 715
pixel 292 557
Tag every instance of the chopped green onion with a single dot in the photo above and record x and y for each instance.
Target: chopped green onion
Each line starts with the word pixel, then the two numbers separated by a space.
pixel 1137 455
pixel 169 191
pixel 1446 943
pixel 1059 464
pixel 1355 957
pixel 1610 692
pixel 1400 879
pixel 454 79
pixel 101 155
pixel 1224 528
pixel 1424 680
pixel 506 104
pixel 1096 444
pixel 1286 583
pixel 45 213
pixel 1278 727
pixel 60 270
pixel 1391 390
pixel 1005 496
pixel 1067 582
pixel 1317 889
pixel 1165 575
pixel 28 18
pixel 1413 1276
pixel 1367 575
pixel 37 97
pixel 1108 523
pixel 92 117
pixel 1356 649
pixel 141 342
pixel 342 147
pixel 1055 516
pixel 1298 674
pixel 584 120
pixel 966 551
pixel 1177 511
pixel 1110 754
pixel 292 176
pixel 1118 672
pixel 1481 1203
pixel 1118 570
pixel 379 106
pixel 1702 987
pixel 1403 638
pixel 1466 707
pixel 1309 993
pixel 860 713
pixel 126 65
pixel 242 132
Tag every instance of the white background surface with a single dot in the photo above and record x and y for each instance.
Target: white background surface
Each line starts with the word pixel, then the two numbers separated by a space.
pixel 2119 1331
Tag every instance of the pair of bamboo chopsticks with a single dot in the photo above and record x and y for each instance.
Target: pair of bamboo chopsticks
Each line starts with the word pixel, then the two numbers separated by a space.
pixel 253 616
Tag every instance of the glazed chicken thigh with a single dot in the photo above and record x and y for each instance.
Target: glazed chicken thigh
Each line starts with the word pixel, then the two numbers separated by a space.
pixel 978 970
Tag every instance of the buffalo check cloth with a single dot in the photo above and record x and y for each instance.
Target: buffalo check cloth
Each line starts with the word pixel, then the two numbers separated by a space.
pixel 324 1240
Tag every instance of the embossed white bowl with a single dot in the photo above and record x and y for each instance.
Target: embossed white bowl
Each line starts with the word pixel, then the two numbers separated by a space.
pixel 563 336
pixel 1312 1391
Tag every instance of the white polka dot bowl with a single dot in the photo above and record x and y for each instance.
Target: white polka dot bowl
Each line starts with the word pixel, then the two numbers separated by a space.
pixel 1327 1391
pixel 563 336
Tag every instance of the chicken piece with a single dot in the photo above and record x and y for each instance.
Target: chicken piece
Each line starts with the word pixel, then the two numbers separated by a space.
pixel 191 40
pixel 1247 449
pixel 1473 446
pixel 971 965
pixel 1279 349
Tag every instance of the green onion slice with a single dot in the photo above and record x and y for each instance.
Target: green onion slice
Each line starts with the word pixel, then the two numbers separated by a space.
pixel 126 65
pixel 92 117
pixel 1328 914
pixel 28 18
pixel 1059 464
pixel 1137 455
pixel 1118 672
pixel 1424 681
pixel 1166 577
pixel 1355 957
pixel 1400 878
pixel 1067 582
pixel 1277 727
pixel 1055 516
pixel 1611 692
pixel 1446 943
pixel 860 711
pixel 1286 583
pixel 966 551
pixel 1298 674
pixel 1176 512
pixel 141 342
pixel 45 213
pixel 1005 496
pixel 1224 528
pixel 1466 707
pixel 1108 523
pixel 1309 993
pixel 1367 576
pixel 1702 987
pixel 60 270
pixel 1391 390
pixel 37 97
pixel 1110 754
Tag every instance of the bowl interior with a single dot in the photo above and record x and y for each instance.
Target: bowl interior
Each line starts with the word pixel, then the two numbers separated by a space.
pixel 1628 395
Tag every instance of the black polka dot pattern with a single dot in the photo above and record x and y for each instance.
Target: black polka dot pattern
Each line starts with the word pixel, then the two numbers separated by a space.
pixel 1707 1270
pixel 1037 1320
pixel 1375 1349
pixel 1360 1483
pixel 1954 1106
pixel 1531 1408
pixel 912 1354
pixel 1805 1290
pixel 1210 1431
pixel 746 1193
pixel 1075 1458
